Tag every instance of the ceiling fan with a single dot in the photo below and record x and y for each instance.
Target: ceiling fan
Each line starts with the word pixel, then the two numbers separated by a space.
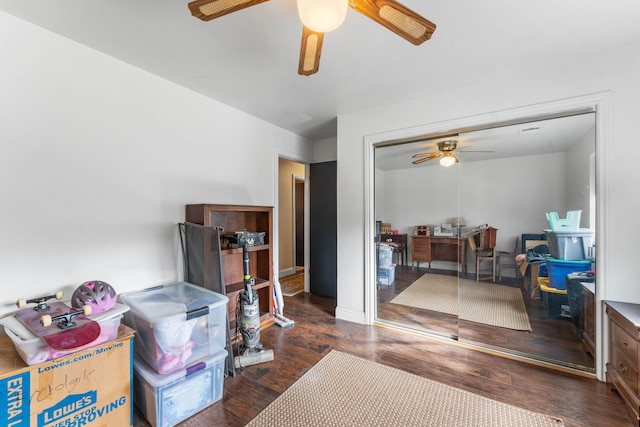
pixel 446 150
pixel 388 13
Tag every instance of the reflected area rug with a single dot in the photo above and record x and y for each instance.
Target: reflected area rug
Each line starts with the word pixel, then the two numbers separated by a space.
pixel 293 284
pixel 480 302
pixel 344 390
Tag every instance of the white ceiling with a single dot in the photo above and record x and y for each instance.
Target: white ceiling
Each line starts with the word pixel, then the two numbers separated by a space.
pixel 248 59
pixel 554 135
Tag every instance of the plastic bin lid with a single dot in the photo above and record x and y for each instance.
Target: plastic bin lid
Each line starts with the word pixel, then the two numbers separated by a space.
pixel 171 301
pixel 578 232
pixel 11 323
pixel 567 263
pixel 156 379
pixel 545 286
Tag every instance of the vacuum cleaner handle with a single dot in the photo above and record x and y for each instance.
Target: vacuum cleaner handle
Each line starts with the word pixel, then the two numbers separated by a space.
pixel 248 281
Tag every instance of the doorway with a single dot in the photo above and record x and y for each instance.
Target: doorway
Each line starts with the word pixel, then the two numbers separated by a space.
pixel 291 226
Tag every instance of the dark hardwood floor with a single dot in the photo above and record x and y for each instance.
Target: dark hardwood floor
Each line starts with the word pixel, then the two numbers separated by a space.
pixel 579 401
pixel 551 339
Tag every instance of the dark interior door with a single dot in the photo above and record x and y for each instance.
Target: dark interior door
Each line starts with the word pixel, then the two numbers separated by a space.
pixel 299 209
pixel 323 230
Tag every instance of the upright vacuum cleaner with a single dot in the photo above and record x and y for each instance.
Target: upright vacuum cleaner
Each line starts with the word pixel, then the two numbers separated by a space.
pixel 250 352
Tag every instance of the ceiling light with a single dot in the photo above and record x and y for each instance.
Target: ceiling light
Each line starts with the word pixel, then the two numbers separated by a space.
pixel 447 160
pixel 322 15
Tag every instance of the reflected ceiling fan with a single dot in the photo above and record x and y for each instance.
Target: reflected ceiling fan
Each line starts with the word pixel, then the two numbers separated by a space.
pixel 320 16
pixel 447 151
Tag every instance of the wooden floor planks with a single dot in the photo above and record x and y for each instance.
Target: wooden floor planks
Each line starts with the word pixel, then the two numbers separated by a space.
pixel 579 401
pixel 551 339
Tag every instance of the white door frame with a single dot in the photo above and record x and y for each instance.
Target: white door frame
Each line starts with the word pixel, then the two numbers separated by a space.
pixel 598 102
pixel 277 154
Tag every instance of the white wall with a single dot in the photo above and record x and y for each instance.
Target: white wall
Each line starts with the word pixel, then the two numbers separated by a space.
pixel 578 177
pixel 615 71
pixel 485 192
pixel 98 160
pixel 513 194
pixel 325 150
pixel 380 199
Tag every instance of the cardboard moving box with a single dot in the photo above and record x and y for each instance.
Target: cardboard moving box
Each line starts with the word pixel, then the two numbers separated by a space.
pixel 88 388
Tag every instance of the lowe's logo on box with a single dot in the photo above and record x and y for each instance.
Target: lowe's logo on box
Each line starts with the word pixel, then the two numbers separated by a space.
pixel 14 398
pixel 67 406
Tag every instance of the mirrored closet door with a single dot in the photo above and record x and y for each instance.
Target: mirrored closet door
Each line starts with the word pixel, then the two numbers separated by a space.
pixel 491 205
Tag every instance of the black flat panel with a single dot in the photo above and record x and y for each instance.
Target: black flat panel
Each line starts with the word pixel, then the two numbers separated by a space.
pixel 323 254
pixel 299 209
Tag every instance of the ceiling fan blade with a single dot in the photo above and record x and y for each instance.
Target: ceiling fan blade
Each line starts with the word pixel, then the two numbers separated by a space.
pixel 431 155
pixel 212 9
pixel 396 17
pixel 310 50
pixel 427 157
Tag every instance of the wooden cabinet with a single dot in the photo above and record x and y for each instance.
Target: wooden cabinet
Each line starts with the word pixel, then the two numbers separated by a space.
pixel 420 250
pixel 589 333
pixel 622 368
pixel 233 218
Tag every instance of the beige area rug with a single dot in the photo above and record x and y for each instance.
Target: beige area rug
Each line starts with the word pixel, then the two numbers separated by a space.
pixel 344 390
pixel 292 285
pixel 480 302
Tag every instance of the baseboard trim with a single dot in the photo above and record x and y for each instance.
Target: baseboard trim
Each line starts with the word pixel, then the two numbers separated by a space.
pixel 350 316
pixel 286 272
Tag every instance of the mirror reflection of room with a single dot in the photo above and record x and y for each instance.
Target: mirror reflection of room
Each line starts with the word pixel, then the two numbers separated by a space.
pixel 497 248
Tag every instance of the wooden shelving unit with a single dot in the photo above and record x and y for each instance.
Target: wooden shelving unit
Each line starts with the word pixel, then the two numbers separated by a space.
pixel 233 218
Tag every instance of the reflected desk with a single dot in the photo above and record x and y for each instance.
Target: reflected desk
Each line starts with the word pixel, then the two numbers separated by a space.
pixel 436 248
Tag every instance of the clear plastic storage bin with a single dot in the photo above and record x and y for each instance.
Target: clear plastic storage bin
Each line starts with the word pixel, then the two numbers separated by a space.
pixel 176 324
pixel 385 255
pixel 555 301
pixel 387 276
pixel 571 245
pixel 166 400
pixel 34 349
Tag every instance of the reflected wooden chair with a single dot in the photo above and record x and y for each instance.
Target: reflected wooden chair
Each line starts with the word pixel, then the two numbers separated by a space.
pixel 507 259
pixel 529 274
pixel 483 255
pixel 398 250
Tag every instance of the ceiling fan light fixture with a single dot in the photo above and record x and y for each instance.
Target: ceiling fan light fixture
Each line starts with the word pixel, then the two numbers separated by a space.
pixel 322 15
pixel 447 160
